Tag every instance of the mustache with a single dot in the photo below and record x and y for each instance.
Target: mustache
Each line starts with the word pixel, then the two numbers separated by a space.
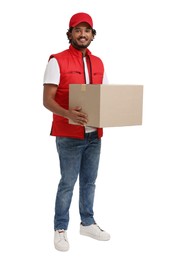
pixel 82 37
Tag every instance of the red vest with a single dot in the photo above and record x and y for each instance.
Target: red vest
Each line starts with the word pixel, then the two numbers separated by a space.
pixel 72 72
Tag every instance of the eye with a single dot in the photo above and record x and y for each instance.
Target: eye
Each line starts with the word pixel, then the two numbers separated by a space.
pixel 88 30
pixel 77 30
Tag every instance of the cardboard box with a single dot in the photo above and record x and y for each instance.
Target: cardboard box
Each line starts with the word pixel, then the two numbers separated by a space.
pixel 108 105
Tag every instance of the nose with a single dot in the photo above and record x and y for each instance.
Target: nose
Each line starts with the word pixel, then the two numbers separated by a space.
pixel 82 32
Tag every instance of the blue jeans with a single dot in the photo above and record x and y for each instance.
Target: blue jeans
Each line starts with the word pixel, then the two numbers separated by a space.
pixel 77 158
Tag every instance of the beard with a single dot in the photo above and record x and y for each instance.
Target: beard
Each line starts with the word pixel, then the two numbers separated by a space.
pixel 80 46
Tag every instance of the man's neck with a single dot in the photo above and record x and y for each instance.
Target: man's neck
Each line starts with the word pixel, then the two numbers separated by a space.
pixel 83 50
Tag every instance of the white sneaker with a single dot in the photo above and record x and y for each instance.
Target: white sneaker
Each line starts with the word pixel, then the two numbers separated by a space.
pixel 60 240
pixel 94 231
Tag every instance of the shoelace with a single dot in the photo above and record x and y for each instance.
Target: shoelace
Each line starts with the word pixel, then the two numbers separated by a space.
pixel 62 235
pixel 100 228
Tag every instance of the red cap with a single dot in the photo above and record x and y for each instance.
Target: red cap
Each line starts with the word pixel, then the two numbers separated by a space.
pixel 79 18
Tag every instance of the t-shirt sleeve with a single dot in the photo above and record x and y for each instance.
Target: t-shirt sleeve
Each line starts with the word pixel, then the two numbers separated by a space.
pixel 52 72
pixel 105 78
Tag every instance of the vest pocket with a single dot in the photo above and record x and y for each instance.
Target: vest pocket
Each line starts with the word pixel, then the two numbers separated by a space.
pixel 73 72
pixel 97 77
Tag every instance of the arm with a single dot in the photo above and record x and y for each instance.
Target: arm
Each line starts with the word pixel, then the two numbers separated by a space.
pixel 49 102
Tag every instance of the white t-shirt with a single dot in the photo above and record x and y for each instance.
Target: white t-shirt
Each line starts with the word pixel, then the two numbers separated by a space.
pixel 52 76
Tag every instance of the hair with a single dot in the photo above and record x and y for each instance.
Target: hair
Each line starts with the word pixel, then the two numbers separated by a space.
pixel 70 31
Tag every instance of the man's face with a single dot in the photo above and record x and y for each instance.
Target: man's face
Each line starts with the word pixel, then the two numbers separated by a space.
pixel 81 36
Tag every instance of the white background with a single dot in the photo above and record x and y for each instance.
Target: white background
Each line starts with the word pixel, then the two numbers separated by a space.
pixel 134 190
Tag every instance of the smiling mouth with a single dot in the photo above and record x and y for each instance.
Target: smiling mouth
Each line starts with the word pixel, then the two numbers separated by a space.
pixel 82 40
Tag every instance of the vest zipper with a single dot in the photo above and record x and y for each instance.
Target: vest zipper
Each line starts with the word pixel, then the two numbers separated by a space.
pixel 84 69
pixel 90 74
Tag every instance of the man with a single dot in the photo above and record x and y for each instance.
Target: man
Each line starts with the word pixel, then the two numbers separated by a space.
pixel 78 146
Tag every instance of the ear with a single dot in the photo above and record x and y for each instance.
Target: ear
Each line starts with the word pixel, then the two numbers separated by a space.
pixel 69 35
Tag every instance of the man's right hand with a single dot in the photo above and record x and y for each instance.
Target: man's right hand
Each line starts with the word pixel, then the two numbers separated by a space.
pixel 77 116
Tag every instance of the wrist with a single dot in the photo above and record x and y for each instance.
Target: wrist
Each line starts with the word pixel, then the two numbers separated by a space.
pixel 66 114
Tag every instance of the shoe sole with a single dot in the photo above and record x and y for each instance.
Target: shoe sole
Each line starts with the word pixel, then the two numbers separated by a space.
pixel 62 249
pixel 92 236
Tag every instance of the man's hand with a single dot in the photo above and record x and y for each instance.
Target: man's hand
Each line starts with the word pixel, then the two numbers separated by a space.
pixel 77 116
